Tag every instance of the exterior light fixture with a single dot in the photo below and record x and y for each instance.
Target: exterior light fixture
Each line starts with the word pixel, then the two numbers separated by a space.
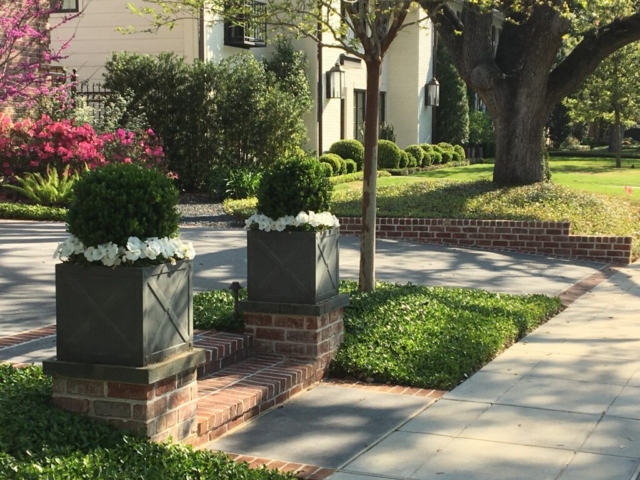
pixel 336 82
pixel 432 97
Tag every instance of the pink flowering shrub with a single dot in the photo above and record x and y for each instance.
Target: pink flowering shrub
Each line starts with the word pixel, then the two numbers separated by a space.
pixel 32 146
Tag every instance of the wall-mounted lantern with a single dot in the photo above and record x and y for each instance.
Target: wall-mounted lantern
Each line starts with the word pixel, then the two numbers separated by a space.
pixel 336 80
pixel 432 96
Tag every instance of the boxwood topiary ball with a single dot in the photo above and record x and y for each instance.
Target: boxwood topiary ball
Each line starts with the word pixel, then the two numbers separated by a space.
pixel 388 154
pixel 349 148
pixel 120 200
pixel 292 186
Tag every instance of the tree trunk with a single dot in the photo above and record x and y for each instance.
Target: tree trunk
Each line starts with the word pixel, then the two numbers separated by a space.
pixel 617 138
pixel 368 235
pixel 519 147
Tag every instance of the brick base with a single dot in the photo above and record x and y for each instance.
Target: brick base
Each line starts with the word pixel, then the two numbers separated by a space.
pixel 312 333
pixel 159 401
pixel 162 410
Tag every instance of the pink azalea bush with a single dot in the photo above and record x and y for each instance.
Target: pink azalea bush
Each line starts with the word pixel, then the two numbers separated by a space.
pixel 32 146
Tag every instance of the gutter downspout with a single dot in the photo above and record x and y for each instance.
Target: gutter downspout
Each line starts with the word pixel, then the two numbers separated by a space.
pixel 201 35
pixel 319 95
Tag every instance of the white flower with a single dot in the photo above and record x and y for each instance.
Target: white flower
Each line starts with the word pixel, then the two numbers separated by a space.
pixel 93 254
pixel 315 220
pixel 135 249
pixel 153 248
pixel 301 219
pixel 189 252
pixel 280 224
pixel 70 246
pixel 111 255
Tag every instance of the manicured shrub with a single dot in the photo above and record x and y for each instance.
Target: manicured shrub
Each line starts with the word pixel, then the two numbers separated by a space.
pixel 456 156
pixel 292 186
pixel 447 156
pixel 417 153
pixel 351 148
pixel 445 146
pixel 462 154
pixel 327 168
pixel 437 155
pixel 404 159
pixel 334 160
pixel 20 211
pixel 428 158
pixel 388 154
pixel 118 201
pixel 351 165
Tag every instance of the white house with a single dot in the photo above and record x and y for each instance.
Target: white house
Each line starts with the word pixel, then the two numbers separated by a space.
pixel 407 68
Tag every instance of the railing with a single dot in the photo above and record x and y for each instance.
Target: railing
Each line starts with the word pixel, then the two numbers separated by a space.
pixel 248 30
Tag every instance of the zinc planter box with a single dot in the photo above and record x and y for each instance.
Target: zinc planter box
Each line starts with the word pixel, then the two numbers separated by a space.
pixel 292 267
pixel 123 316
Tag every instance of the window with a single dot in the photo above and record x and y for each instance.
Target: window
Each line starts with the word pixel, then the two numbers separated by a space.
pixel 359 106
pixel 245 32
pixel 66 6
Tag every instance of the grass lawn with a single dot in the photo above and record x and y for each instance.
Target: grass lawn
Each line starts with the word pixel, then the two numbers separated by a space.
pixel 597 175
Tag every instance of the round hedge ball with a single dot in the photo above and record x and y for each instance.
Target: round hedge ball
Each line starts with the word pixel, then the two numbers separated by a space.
pixel 292 186
pixel 121 200
pixel 388 154
pixel 349 148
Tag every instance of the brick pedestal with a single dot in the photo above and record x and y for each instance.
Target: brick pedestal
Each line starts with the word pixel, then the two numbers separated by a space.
pixel 158 401
pixel 310 332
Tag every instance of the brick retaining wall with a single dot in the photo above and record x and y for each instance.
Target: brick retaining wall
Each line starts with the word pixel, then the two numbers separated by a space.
pixel 545 238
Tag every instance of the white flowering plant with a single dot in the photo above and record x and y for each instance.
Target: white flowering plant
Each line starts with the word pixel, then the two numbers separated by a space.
pixel 137 252
pixel 304 221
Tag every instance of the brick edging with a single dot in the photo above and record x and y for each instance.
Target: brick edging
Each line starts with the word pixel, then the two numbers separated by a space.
pixel 385 388
pixel 26 337
pixel 302 471
pixel 523 236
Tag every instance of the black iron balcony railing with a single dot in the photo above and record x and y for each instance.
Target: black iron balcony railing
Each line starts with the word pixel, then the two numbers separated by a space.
pixel 248 30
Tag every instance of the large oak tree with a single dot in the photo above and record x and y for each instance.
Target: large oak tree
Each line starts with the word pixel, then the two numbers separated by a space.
pixel 522 79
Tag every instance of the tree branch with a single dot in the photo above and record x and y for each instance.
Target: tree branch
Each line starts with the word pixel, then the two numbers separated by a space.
pixel 585 58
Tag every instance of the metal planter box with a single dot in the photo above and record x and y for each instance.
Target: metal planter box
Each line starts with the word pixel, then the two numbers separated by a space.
pixel 123 316
pixel 292 267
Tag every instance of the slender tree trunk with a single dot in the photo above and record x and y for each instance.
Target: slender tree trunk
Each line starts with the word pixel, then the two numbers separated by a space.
pixel 519 147
pixel 368 235
pixel 617 138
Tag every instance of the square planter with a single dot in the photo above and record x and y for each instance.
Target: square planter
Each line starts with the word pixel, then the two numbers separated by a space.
pixel 123 316
pixel 292 267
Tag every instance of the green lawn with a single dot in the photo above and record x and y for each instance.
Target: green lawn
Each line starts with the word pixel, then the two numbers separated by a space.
pixel 597 175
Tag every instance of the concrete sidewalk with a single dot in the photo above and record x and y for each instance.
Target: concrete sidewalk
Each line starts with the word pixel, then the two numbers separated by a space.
pixel 562 404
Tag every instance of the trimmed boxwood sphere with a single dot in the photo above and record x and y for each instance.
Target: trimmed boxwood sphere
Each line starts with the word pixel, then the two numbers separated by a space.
pixel 292 186
pixel 351 165
pixel 335 161
pixel 404 159
pixel 417 153
pixel 120 200
pixel 349 148
pixel 388 154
